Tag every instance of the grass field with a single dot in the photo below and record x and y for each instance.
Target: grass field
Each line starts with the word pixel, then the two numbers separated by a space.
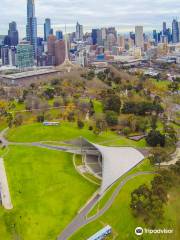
pixel 67 131
pixel 46 193
pixel 143 166
pixel 119 216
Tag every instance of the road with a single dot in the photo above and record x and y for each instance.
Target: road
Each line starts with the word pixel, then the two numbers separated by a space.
pixel 81 219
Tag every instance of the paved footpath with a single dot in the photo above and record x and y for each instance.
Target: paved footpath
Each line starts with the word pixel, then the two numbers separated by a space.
pixel 4 189
pixel 81 219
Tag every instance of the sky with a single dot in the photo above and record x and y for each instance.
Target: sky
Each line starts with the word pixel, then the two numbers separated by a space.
pixel 124 14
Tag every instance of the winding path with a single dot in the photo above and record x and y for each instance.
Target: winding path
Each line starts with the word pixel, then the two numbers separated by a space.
pixel 81 219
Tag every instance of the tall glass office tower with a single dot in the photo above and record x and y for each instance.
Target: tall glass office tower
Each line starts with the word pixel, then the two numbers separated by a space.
pixel 31 28
pixel 47 28
pixel 175 31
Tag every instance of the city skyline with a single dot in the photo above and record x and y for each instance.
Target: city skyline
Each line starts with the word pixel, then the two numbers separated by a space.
pixel 123 17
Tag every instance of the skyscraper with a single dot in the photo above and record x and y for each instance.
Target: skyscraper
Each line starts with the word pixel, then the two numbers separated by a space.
pixel 179 29
pixel 94 36
pixel 31 28
pixel 175 31
pixel 47 28
pixel 13 34
pixel 79 32
pixel 164 28
pixel 155 36
pixel 139 38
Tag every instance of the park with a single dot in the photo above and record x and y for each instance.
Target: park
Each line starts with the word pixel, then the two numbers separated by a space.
pixel 47 192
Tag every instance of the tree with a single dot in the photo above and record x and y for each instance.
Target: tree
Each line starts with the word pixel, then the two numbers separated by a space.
pixel 171 135
pixel 71 116
pixel 140 201
pixel 44 106
pixel 9 119
pixel 173 87
pixel 18 120
pixel 112 102
pixel 101 123
pixel 154 122
pixel 148 202
pixel 80 124
pixel 49 93
pixel 32 102
pixel 159 155
pixel 40 118
pixel 142 108
pixel 91 108
pixel 3 107
pixel 111 118
pixel 90 75
pixel 155 138
pixel 126 131
pixel 176 167
pixel 117 80
pixel 101 76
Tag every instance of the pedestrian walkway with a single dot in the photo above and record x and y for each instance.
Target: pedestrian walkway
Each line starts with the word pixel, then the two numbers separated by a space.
pixel 4 189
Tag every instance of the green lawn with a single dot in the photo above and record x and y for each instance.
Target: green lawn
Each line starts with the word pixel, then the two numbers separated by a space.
pixel 46 192
pixel 98 107
pixel 172 211
pixel 67 131
pixel 143 166
pixel 119 216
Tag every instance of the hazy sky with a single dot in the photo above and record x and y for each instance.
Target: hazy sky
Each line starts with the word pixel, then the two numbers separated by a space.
pixel 124 14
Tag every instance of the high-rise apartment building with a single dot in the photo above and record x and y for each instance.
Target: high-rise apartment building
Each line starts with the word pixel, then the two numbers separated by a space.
pixel 139 37
pixel 47 28
pixel 51 49
pixel 175 31
pixel 31 28
pixel 5 55
pixel 13 34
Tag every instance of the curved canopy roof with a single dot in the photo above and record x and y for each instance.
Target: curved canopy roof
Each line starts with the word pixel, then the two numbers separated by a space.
pixel 116 161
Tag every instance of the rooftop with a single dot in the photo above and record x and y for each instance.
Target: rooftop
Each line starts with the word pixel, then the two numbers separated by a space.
pixel 29 74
